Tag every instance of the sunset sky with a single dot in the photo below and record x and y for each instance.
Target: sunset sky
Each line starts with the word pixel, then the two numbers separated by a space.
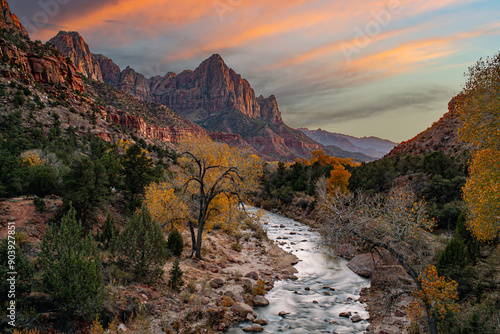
pixel 358 67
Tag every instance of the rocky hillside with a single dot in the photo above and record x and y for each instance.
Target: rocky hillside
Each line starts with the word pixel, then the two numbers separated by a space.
pixel 372 147
pixel 212 96
pixel 441 136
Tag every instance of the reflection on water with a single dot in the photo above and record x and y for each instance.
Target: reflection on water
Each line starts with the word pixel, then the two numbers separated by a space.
pixel 325 286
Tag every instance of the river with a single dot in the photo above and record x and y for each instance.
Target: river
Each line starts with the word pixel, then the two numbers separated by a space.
pixel 325 286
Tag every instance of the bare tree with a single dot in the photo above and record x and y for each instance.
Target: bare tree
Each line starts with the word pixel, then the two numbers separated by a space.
pixel 397 222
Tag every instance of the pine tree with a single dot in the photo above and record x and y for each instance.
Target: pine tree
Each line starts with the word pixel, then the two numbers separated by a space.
pixel 71 268
pixel 176 281
pixel 141 247
pixel 175 242
pixel 109 232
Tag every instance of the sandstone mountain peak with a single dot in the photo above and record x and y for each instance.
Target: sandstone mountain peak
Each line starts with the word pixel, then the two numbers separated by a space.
pixel 72 45
pixel 213 96
pixel 9 20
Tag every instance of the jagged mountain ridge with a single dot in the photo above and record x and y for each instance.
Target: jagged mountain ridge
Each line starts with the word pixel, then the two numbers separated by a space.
pixel 372 147
pixel 213 96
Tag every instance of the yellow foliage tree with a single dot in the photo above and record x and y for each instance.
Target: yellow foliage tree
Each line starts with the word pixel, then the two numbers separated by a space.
pixel 479 108
pixel 32 158
pixel 166 207
pixel 481 193
pixel 435 294
pixel 339 179
pixel 210 183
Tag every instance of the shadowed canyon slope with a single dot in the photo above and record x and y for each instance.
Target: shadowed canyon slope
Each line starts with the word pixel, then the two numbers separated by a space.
pixel 441 136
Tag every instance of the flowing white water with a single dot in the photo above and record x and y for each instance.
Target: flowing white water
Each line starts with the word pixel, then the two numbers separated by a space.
pixel 314 307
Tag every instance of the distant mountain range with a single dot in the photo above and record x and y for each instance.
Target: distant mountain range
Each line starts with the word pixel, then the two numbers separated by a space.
pixel 369 148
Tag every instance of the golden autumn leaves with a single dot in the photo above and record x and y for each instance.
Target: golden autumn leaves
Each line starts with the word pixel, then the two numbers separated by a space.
pixel 479 107
pixel 339 175
pixel 436 294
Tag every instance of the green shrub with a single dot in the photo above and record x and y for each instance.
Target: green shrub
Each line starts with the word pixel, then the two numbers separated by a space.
pixel 473 246
pixel 176 282
pixel 454 255
pixel 39 203
pixel 141 247
pixel 175 243
pixel 71 268
pixel 42 180
pixel 236 246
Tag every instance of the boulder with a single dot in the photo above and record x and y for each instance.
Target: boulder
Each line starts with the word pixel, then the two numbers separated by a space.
pixel 362 265
pixel 356 318
pixel 253 328
pixel 216 283
pixel 253 275
pixel 260 301
pixel 242 309
pixel 345 314
pixel 261 321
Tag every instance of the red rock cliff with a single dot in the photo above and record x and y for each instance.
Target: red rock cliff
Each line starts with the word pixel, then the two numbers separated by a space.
pixel 72 45
pixel 46 68
pixel 166 134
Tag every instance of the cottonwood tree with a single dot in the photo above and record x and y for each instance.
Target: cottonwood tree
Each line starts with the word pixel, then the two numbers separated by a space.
pixel 479 108
pixel 397 223
pixel 211 181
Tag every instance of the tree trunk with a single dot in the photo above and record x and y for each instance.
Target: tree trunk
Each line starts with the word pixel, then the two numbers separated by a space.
pixel 193 239
pixel 431 321
pixel 200 238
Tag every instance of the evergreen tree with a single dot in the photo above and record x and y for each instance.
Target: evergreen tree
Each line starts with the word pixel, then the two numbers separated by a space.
pixel 71 268
pixel 141 247
pixel 138 172
pixel 176 282
pixel 109 232
pixel 23 267
pixel 175 242
pixel 85 187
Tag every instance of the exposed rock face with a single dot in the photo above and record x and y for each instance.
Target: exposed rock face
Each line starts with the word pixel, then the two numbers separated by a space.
pixel 442 136
pixel 109 70
pixel 212 87
pixel 49 69
pixel 72 45
pixel 9 20
pixel 172 134
pixel 269 109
